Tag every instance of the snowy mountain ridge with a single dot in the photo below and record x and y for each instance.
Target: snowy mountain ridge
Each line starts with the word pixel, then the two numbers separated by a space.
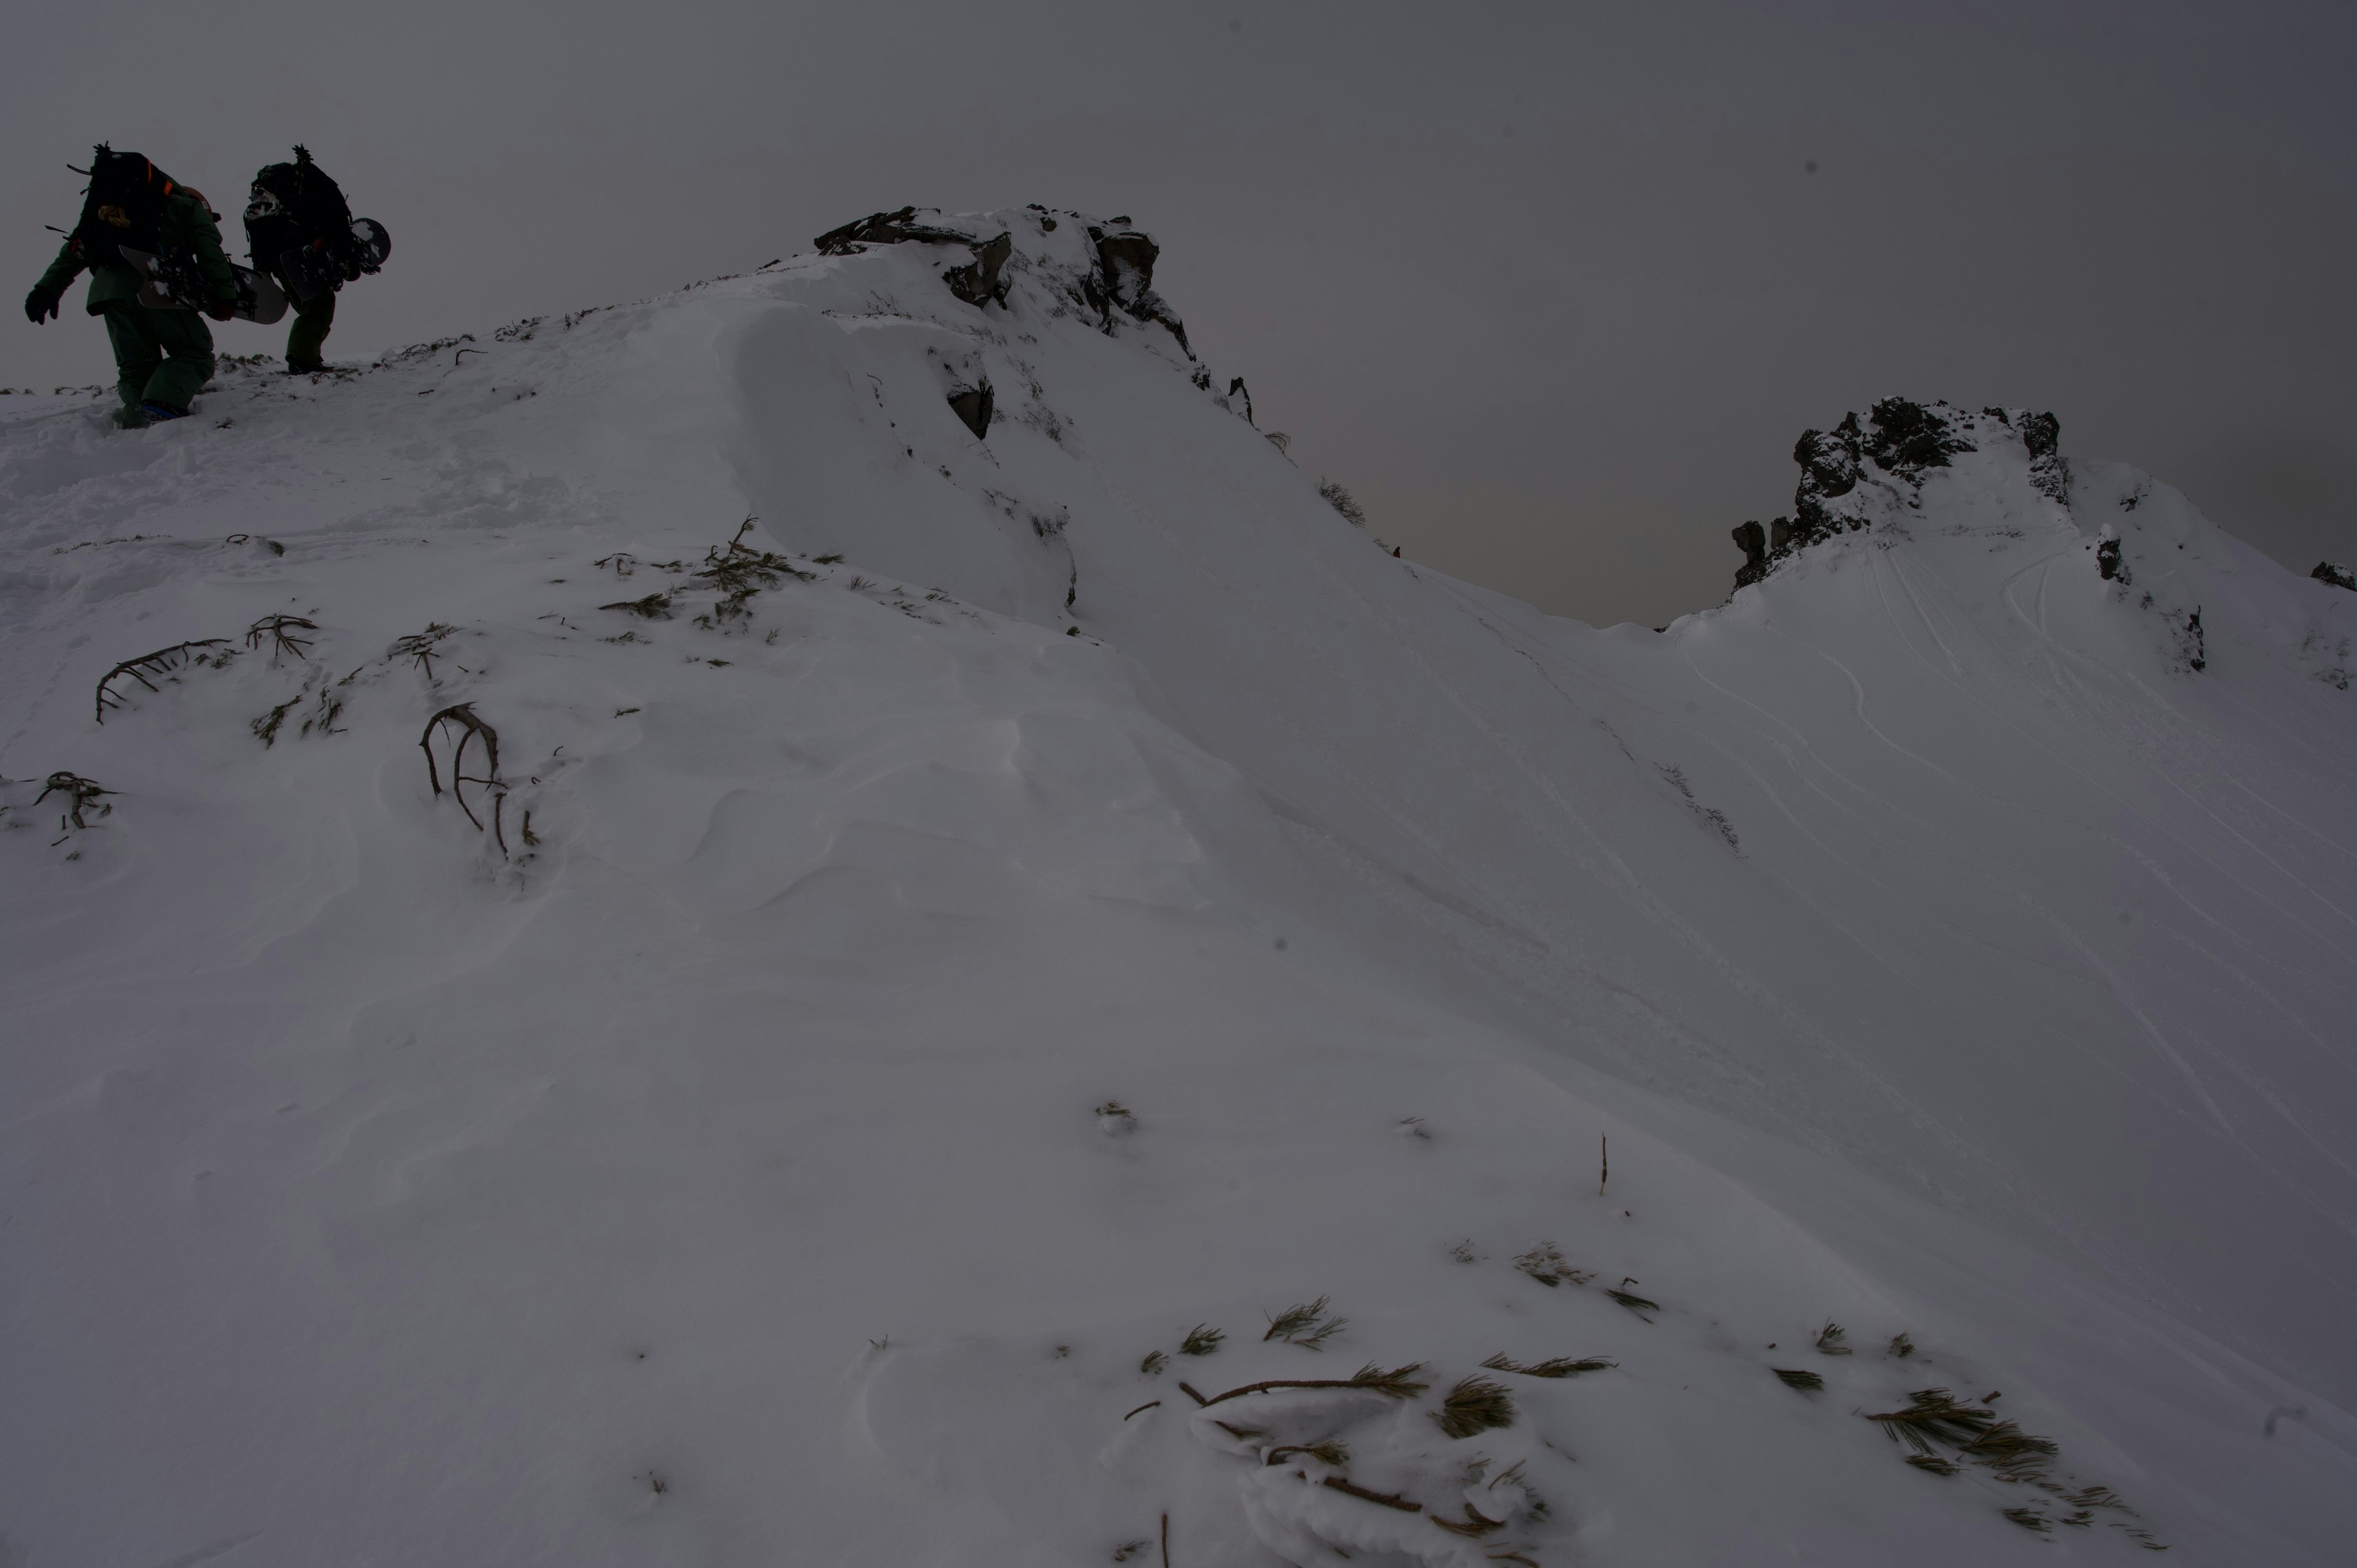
pixel 939 971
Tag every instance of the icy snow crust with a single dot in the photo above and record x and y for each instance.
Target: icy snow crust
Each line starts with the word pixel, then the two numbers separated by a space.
pixel 906 1020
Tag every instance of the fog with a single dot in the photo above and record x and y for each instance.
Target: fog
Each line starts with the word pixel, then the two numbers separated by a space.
pixel 1553 288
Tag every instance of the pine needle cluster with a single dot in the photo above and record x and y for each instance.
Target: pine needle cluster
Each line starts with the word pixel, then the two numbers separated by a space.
pixel 1476 1404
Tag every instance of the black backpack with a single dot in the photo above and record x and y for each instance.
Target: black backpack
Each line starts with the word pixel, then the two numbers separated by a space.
pixel 295 206
pixel 123 205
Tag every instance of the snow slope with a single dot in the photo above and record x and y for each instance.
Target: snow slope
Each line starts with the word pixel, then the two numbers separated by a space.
pixel 898 1007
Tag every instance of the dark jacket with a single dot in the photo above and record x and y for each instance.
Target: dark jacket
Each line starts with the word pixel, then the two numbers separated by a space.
pixel 185 224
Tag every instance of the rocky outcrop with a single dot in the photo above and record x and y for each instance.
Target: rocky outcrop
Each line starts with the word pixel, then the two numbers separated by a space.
pixel 885 229
pixel 1124 281
pixel 2339 576
pixel 1752 540
pixel 1859 471
pixel 977 283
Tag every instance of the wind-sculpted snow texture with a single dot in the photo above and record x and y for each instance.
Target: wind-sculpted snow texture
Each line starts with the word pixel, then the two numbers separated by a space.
pixel 1046 1002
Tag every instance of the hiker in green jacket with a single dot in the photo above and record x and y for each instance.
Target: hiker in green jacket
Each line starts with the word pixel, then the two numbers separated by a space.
pixel 161 356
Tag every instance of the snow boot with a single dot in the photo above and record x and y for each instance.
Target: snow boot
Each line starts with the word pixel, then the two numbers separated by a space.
pixel 158 413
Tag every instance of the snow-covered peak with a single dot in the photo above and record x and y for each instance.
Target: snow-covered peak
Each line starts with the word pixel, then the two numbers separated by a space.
pixel 834 919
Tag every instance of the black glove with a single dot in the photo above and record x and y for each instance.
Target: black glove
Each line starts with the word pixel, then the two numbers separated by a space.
pixel 39 305
pixel 222 310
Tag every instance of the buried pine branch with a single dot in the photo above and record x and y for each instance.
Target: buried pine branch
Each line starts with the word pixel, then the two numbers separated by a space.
pixel 1901 1346
pixel 1398 1383
pixel 161 662
pixel 1475 1524
pixel 1302 1326
pixel 1545 1265
pixel 421 646
pixel 281 641
pixel 1330 1451
pixel 1241 1434
pixel 2028 1519
pixel 79 792
pixel 1830 1338
pixel 1637 1304
pixel 1156 1360
pixel 1475 1404
pixel 266 726
pixel 1807 1382
pixel 1935 1414
pixel 654 607
pixel 1555 1367
pixel 1389 1499
pixel 461 717
pixel 1936 1465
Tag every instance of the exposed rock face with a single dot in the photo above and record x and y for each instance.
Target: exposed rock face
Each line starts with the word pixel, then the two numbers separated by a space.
pixel 977 282
pixel 1862 470
pixel 1124 280
pixel 885 229
pixel 974 407
pixel 1752 540
pixel 2339 576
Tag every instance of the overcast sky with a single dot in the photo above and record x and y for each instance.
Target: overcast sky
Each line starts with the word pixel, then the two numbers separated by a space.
pixel 1553 287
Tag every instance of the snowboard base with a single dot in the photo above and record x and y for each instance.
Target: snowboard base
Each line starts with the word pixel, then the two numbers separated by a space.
pixel 259 300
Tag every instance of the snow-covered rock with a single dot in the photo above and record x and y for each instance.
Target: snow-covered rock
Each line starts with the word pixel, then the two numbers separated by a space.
pixel 946 913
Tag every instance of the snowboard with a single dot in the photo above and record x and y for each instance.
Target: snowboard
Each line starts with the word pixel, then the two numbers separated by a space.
pixel 311 268
pixel 259 300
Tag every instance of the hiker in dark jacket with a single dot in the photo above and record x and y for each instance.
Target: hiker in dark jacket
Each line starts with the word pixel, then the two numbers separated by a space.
pixel 299 231
pixel 161 356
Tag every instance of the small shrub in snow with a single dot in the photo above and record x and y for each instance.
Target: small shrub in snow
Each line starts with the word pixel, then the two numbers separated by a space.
pixel 1545 1265
pixel 1156 1360
pixel 1114 1119
pixel 1830 1340
pixel 1901 1346
pixel 1338 496
pixel 1807 1382
pixel 1201 1340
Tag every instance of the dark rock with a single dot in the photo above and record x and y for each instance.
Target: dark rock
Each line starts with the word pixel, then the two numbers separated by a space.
pixel 1908 438
pixel 2338 576
pixel 885 229
pixel 2049 470
pixel 973 407
pixel 1779 533
pixel 2107 561
pixel 1752 540
pixel 977 282
pixel 1236 389
pixel 1126 278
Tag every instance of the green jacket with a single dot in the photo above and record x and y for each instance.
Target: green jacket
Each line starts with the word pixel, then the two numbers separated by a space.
pixel 186 224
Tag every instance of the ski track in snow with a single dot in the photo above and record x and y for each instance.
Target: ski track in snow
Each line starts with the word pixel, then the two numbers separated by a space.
pixel 917 1003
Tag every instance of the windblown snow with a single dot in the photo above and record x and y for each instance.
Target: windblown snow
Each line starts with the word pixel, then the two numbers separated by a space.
pixel 626 944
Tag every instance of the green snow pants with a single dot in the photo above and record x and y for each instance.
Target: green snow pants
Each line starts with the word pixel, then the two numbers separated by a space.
pixel 160 355
pixel 308 336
